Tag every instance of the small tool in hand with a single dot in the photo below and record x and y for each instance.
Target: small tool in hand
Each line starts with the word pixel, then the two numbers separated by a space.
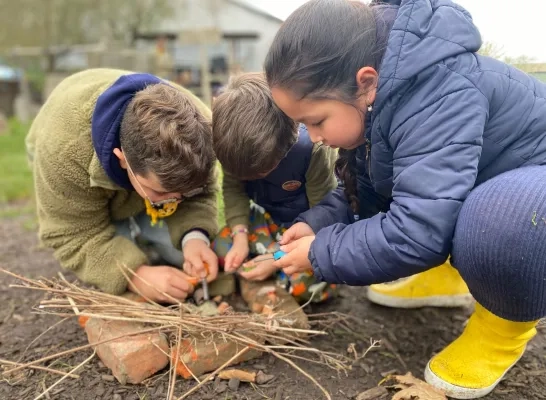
pixel 275 256
pixel 205 284
pixel 250 265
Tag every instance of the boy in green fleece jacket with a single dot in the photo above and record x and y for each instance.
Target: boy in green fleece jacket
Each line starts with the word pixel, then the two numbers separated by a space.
pixel 269 159
pixel 121 159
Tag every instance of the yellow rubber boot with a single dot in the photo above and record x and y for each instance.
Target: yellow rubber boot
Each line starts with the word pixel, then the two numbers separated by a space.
pixel 438 287
pixel 471 366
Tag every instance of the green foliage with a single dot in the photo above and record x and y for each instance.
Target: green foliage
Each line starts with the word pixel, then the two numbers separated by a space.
pixel 495 50
pixel 15 175
pixel 68 22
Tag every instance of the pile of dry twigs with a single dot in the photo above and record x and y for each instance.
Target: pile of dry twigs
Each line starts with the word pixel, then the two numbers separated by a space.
pixel 267 333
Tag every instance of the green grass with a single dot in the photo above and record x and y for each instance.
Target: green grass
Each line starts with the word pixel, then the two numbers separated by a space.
pixel 15 175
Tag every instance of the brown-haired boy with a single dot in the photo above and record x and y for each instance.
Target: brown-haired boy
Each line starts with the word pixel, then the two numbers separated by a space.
pixel 269 159
pixel 121 159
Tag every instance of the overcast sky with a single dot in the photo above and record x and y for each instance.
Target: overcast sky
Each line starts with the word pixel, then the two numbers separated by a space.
pixel 519 27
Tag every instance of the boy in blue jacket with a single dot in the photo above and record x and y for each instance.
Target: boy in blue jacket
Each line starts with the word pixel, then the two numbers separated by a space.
pixel 272 173
pixel 444 153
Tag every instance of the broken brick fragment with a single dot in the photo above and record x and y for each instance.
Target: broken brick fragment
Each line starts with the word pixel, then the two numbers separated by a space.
pixel 196 357
pixel 131 358
pixel 267 298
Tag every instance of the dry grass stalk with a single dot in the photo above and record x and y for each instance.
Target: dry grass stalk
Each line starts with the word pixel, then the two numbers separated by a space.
pixel 46 391
pixel 50 370
pixel 179 322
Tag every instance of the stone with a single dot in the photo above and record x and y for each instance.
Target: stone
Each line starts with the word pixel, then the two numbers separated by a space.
pixel 219 386
pixel 233 384
pixel 132 358
pixel 198 295
pixel 262 379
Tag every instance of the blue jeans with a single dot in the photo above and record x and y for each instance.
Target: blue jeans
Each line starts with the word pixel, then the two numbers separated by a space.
pixel 140 231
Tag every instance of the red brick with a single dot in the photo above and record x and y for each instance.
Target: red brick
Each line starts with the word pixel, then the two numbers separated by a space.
pixel 200 356
pixel 132 358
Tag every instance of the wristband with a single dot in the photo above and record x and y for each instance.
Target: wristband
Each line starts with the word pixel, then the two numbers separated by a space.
pixel 243 230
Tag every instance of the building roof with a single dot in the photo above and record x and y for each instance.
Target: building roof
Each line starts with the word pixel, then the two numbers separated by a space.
pixel 247 5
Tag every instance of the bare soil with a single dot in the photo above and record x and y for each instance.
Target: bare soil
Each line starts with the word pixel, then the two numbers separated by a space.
pixel 409 339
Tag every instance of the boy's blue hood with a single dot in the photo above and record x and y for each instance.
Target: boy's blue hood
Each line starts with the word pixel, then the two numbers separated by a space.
pixel 106 122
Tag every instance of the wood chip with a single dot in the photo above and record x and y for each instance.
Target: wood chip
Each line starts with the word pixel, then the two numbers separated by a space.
pixel 243 376
pixel 233 384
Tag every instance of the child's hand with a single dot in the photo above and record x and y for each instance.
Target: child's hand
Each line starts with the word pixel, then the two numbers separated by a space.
pixel 196 254
pixel 297 256
pixel 237 254
pixel 295 232
pixel 157 279
pixel 258 271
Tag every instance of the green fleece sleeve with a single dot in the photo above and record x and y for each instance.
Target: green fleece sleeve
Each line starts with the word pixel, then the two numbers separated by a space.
pixel 75 221
pixel 236 201
pixel 320 177
pixel 199 212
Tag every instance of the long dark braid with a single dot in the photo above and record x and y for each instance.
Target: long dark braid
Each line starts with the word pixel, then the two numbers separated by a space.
pixel 346 170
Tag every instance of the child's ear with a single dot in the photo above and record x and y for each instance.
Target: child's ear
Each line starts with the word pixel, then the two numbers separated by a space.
pixel 366 79
pixel 119 154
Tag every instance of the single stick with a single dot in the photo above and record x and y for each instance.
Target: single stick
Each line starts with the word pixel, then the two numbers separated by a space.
pixel 46 392
pixel 291 363
pixel 170 393
pixel 53 371
pixel 282 328
pixel 42 334
pixel 73 304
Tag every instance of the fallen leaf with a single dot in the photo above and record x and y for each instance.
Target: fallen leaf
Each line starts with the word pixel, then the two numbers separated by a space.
pixel 408 379
pixel 243 376
pixel 372 394
pixel 416 389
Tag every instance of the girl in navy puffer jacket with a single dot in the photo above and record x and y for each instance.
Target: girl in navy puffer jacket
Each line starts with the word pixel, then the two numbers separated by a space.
pixel 443 153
